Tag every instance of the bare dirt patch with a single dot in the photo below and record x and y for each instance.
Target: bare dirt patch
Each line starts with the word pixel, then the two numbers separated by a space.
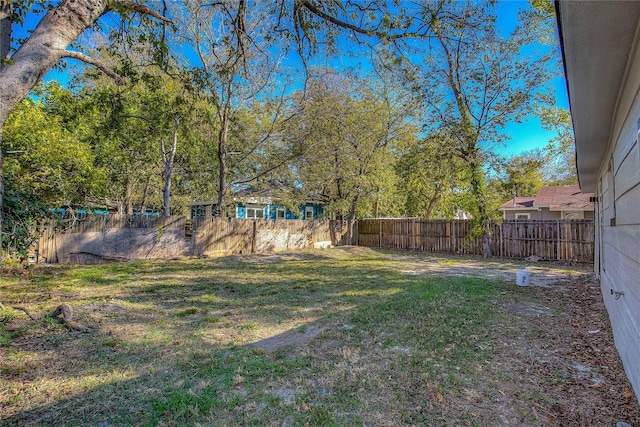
pixel 545 274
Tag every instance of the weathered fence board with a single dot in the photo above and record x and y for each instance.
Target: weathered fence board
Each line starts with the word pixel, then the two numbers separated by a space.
pixel 96 238
pixel 221 235
pixel 551 240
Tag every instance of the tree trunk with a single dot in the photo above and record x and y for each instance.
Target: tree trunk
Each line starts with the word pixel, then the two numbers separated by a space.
pixel 6 17
pixel 477 187
pixel 128 197
pixel 352 218
pixel 470 151
pixel 376 212
pixel 432 203
pixel 222 161
pixel 6 21
pixel 1 193
pixel 168 167
pixel 44 48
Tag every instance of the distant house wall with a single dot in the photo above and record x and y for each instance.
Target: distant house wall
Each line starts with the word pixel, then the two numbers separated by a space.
pixel 618 226
pixel 545 214
pixel 510 215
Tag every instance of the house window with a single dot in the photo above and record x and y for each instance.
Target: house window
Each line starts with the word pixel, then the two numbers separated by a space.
pixel 280 213
pixel 308 212
pixel 255 212
pixel 198 211
pixel 523 216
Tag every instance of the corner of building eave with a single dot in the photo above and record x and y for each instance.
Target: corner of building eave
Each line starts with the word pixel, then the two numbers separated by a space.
pixel 557 7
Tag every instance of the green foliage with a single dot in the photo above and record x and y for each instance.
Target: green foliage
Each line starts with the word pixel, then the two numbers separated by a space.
pixel 23 211
pixel 474 81
pixel 352 144
pixel 520 176
pixel 560 160
pixel 432 177
pixel 350 129
pixel 46 154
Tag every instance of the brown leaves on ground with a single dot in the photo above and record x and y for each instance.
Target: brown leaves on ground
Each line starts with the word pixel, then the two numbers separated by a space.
pixel 577 365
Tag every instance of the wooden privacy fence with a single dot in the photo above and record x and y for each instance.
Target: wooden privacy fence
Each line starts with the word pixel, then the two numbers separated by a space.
pixel 241 236
pixel 94 238
pixel 548 239
pixel 125 237
pixel 572 240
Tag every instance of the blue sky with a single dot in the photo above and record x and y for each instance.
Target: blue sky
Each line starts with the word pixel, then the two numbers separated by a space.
pixel 529 134
pixel 525 136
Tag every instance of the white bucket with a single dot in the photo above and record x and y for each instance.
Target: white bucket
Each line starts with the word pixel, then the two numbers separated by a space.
pixel 523 277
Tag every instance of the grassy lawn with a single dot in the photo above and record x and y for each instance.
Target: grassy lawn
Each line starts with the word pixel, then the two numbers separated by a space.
pixel 331 338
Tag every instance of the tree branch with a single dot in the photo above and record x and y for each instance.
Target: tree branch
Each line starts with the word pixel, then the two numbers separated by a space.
pixel 140 8
pixel 95 62
pixel 374 32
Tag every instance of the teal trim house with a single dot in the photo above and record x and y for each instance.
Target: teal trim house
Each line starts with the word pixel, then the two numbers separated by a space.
pixel 259 204
pixel 254 210
pixel 275 211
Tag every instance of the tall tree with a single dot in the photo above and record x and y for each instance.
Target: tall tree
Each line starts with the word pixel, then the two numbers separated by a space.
pixel 350 128
pixel 475 81
pixel 235 60
pixel 23 65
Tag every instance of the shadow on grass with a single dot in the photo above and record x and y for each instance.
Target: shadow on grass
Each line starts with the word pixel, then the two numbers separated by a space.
pixel 212 340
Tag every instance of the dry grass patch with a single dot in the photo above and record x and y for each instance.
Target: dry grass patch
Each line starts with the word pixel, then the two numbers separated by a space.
pixel 340 337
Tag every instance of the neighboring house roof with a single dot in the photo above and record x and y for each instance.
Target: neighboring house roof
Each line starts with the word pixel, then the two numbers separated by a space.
pixel 596 38
pixel 556 198
pixel 564 197
pixel 519 203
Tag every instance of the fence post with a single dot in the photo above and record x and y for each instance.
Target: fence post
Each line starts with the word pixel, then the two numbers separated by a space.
pixel 559 240
pixel 453 237
pixel 413 228
pixel 380 221
pixel 253 237
pixel 501 242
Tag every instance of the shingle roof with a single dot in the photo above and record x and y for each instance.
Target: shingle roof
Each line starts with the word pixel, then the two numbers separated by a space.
pixel 564 197
pixel 521 202
pixel 561 197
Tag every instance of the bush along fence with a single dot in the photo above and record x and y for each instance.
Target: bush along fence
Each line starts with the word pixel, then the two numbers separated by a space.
pixel 563 240
pixel 127 237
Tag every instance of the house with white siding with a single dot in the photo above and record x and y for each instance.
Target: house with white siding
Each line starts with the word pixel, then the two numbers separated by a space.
pixel 552 202
pixel 601 52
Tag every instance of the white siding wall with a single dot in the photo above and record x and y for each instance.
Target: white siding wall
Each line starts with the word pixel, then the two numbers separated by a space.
pixel 619 244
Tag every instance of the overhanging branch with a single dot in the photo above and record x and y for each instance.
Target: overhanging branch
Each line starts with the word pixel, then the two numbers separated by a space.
pixel 359 30
pixel 95 62
pixel 137 7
